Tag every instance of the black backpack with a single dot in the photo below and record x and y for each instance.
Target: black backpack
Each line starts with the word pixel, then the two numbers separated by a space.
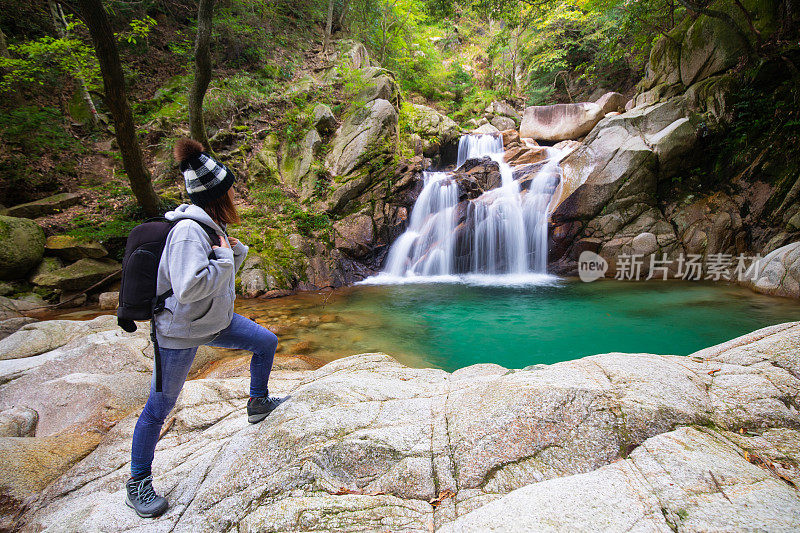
pixel 137 292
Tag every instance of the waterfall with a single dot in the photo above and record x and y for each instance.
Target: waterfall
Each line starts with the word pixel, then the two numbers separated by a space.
pixel 501 232
pixel 426 248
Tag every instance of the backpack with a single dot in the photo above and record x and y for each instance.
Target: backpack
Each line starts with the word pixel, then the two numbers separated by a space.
pixel 137 293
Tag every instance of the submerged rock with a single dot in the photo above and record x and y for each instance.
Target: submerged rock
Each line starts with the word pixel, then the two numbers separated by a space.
pixel 364 443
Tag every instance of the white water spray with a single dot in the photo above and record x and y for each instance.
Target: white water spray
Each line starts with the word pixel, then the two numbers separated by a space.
pixel 507 225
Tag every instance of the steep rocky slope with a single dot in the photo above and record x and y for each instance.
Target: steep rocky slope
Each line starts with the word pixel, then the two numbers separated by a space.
pixel 644 188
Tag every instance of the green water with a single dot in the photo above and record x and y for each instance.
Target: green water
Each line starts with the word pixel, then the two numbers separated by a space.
pixel 452 325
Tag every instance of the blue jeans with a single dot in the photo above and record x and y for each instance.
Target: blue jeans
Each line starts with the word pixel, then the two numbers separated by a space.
pixel 242 334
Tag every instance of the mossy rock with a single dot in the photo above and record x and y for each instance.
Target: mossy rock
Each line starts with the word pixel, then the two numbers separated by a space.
pixel 263 167
pixel 48 264
pixel 72 249
pixel 21 246
pixel 711 46
pixel 45 206
pixel 79 275
pixel 664 64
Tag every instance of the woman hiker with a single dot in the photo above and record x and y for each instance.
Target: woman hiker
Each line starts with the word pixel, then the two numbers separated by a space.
pixel 199 311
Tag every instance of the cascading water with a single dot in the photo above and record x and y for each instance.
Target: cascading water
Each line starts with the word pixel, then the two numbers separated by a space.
pixel 501 232
pixel 426 248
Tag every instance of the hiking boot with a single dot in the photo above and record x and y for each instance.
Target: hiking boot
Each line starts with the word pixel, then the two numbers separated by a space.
pixel 259 408
pixel 143 499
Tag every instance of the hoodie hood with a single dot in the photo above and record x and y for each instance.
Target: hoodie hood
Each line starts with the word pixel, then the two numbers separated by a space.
pixel 195 213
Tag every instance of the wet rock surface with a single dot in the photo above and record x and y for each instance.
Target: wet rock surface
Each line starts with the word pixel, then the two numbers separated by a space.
pixel 612 441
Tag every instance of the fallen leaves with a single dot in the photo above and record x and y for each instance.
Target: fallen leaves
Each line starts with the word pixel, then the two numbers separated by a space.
pixel 345 490
pixel 437 501
pixel 757 460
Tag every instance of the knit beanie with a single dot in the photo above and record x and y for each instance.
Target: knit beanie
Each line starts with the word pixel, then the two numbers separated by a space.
pixel 205 177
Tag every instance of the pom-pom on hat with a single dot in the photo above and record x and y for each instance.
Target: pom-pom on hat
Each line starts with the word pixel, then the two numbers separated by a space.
pixel 205 177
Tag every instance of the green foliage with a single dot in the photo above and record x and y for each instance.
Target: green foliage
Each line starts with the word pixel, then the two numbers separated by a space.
pixel 227 97
pixel 765 119
pixel 101 229
pixel 137 32
pixel 47 61
pixel 246 32
pixel 29 137
pixel 307 222
pixel 268 238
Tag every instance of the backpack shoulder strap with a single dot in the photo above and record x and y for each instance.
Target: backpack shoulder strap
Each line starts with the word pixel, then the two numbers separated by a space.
pixel 211 232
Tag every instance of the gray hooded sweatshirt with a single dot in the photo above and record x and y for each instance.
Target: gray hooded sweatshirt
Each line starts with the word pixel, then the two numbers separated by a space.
pixel 203 289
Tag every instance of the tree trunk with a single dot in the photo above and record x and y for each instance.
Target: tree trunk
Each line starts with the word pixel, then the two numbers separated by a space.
pixel 328 27
pixel 342 15
pixel 202 72
pixel 105 46
pixel 60 24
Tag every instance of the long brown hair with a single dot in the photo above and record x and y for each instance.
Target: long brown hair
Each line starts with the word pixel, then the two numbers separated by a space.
pixel 222 209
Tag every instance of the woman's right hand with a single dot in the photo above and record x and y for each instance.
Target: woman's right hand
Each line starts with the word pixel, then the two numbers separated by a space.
pixel 222 244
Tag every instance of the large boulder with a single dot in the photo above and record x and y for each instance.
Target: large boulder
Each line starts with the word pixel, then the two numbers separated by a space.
pixel 503 109
pixel 297 166
pixel 368 129
pixel 65 400
pixel 672 144
pixel 13 308
pixel 80 275
pixel 355 235
pixel 612 102
pixel 10 325
pixel 324 121
pixel 47 265
pixel 560 121
pixel 355 54
pixel 21 246
pixel 709 47
pixel 264 164
pixel 778 273
pixel 486 129
pixel 708 225
pixel 639 493
pixel 379 83
pixel 614 177
pixel 37 338
pixel 432 126
pixel 503 123
pixel 255 280
pixel 72 249
pixel 45 206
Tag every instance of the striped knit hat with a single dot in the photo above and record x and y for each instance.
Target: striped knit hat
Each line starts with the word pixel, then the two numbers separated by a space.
pixel 205 177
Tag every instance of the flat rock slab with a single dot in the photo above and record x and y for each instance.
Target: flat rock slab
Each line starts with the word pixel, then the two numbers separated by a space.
pixel 72 249
pixel 45 206
pixel 79 275
pixel 607 442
